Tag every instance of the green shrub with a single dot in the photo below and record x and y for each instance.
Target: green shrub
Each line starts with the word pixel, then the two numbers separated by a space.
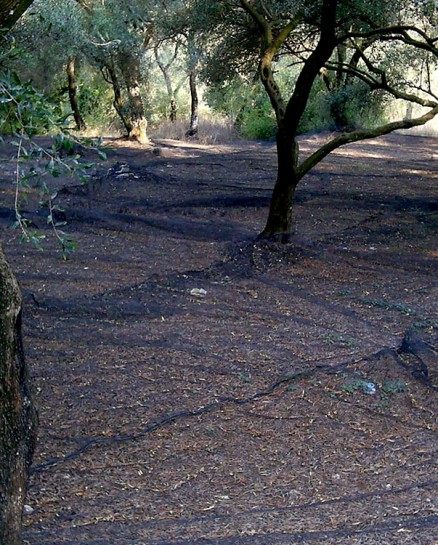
pixel 95 103
pixel 350 107
pixel 258 124
pixel 354 106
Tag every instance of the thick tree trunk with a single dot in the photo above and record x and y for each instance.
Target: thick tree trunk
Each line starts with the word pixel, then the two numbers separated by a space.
pixel 11 11
pixel 279 223
pixel 17 413
pixel 194 117
pixel 73 94
pixel 131 112
pixel 135 116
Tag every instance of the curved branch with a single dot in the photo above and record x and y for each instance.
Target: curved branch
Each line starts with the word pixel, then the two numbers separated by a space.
pixel 10 12
pixel 362 134
pixel 399 32
pixel 258 18
pixel 320 55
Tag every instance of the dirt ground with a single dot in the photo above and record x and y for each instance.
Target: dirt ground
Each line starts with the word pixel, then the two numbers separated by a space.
pixel 195 387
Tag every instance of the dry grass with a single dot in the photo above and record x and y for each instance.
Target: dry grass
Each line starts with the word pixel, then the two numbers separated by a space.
pixel 211 131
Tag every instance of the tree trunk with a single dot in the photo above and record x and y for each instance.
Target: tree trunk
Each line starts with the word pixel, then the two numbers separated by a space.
pixel 194 117
pixel 135 116
pixel 173 111
pixel 119 106
pixel 17 413
pixel 11 11
pixel 73 95
pixel 279 223
pixel 167 80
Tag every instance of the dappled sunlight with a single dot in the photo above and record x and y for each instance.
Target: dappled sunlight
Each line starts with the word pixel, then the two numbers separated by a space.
pixel 417 172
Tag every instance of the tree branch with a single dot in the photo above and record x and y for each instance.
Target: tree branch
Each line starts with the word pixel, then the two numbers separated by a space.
pixel 11 11
pixel 320 55
pixel 362 134
pixel 400 32
pixel 259 19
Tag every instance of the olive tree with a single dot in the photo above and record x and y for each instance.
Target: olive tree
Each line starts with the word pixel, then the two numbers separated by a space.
pixel 17 413
pixel 110 38
pixel 121 32
pixel 362 41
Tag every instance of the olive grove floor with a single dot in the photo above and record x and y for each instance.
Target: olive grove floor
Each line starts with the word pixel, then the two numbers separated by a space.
pixel 197 388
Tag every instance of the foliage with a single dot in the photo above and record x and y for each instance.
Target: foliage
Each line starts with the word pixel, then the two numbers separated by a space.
pixel 248 108
pixel 46 37
pixel 23 109
pixel 394 386
pixel 28 113
pixel 95 101
pixel 258 123
pixel 353 104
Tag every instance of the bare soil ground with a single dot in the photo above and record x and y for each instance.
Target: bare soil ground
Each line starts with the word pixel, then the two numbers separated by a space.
pixel 294 400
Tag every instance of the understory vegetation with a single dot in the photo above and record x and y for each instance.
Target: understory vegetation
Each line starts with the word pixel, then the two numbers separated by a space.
pixel 71 55
pixel 223 116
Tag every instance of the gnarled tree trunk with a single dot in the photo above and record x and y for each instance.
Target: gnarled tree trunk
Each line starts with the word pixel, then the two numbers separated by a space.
pixel 165 70
pixel 135 116
pixel 129 105
pixel 17 413
pixel 110 75
pixel 73 94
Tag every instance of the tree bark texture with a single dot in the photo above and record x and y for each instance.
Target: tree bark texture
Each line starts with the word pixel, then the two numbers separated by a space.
pixel 194 116
pixel 110 75
pixel 279 222
pixel 73 94
pixel 135 115
pixel 17 414
pixel 173 111
pixel 11 11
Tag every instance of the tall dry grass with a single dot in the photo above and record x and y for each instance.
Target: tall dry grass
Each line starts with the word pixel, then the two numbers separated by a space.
pixel 211 131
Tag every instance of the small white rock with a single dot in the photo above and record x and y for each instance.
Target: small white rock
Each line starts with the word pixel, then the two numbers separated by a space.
pixel 198 292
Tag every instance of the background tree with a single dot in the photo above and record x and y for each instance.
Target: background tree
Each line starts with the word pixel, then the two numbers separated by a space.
pixel 193 58
pixel 165 66
pixel 103 38
pixel 49 42
pixel 379 37
pixel 73 93
pixel 122 33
